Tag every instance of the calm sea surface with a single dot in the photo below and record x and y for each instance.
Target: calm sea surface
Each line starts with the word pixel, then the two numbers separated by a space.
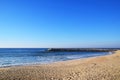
pixel 26 56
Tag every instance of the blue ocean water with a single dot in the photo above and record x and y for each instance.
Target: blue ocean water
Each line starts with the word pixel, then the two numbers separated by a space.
pixel 26 56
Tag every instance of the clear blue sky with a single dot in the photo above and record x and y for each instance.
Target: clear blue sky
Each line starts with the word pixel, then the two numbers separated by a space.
pixel 59 23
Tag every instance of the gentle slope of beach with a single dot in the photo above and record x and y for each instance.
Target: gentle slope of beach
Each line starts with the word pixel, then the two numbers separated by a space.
pixel 97 68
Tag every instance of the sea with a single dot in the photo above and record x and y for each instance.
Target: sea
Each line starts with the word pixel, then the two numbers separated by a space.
pixel 29 56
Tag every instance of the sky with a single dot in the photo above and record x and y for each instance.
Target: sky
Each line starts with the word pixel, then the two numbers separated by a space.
pixel 60 23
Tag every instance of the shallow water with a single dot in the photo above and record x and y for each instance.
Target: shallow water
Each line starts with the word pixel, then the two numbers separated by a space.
pixel 14 57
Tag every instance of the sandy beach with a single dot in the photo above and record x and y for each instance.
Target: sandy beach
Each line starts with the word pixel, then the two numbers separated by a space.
pixel 96 68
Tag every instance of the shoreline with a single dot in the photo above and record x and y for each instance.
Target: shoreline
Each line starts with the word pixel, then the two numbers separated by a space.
pixel 35 64
pixel 95 68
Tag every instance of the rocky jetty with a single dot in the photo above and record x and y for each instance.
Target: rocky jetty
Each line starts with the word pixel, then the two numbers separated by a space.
pixel 81 49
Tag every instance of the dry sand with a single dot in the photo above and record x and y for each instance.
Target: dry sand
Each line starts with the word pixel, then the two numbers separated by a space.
pixel 97 68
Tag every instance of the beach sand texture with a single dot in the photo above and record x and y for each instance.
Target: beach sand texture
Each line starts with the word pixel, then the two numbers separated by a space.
pixel 96 68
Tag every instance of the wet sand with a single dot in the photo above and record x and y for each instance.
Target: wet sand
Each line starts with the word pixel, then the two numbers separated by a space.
pixel 96 68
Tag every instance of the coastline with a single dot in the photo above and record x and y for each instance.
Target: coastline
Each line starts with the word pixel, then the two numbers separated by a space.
pixel 94 68
pixel 39 63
